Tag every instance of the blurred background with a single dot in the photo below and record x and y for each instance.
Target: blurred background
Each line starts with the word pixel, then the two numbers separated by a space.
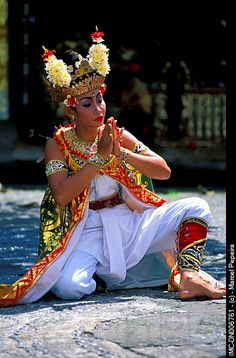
pixel 167 84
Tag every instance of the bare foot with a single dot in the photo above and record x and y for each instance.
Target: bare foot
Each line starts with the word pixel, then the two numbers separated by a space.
pixel 101 285
pixel 192 285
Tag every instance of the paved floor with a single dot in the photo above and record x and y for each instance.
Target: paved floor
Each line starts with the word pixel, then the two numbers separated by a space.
pixel 126 323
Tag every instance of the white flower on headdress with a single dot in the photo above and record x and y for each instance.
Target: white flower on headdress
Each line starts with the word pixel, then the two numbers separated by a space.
pixel 98 58
pixel 77 63
pixel 70 68
pixel 57 72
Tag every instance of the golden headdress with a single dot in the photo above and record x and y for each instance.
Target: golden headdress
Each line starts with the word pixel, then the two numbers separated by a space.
pixel 85 75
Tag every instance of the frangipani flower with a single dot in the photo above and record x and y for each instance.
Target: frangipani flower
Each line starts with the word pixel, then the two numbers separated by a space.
pixel 57 72
pixel 98 59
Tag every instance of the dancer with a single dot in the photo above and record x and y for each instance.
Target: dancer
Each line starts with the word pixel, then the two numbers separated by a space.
pixel 101 227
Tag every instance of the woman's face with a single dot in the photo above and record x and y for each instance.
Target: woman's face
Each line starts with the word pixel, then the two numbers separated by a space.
pixel 91 109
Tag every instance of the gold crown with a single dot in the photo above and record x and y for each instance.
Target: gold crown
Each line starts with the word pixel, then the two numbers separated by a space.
pixel 89 83
pixel 85 75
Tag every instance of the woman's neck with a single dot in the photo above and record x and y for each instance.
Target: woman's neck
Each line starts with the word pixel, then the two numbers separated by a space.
pixel 87 135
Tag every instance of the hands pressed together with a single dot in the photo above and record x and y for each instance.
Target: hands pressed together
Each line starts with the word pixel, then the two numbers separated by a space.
pixel 109 139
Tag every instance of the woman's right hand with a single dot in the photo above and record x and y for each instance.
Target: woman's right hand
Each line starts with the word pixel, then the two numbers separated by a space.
pixel 105 141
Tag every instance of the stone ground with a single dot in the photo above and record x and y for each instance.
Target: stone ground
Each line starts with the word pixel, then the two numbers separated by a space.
pixel 127 323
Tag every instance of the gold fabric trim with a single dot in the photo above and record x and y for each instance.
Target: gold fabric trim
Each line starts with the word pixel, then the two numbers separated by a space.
pixel 200 221
pixel 11 294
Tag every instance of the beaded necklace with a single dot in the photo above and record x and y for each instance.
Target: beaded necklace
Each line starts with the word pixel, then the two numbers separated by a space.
pixel 83 150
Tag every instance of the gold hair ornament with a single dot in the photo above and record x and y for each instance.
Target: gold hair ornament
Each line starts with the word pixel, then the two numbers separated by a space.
pixel 86 75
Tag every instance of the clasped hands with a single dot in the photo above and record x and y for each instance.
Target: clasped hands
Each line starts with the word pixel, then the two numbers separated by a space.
pixel 109 139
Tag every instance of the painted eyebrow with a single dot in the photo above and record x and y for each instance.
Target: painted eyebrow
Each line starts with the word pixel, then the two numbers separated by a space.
pixel 89 97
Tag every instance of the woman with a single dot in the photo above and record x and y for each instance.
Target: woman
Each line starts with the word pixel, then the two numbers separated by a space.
pixel 99 222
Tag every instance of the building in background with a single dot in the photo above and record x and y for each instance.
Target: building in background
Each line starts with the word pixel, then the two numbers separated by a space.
pixel 179 32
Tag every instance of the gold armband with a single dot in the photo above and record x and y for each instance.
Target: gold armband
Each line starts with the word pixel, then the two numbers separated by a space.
pixel 140 148
pixel 54 166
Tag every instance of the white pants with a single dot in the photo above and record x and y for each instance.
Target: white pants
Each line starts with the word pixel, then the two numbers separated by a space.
pixel 76 279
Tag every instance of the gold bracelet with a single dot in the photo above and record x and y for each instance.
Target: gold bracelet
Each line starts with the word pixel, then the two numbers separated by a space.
pixel 97 160
pixel 125 153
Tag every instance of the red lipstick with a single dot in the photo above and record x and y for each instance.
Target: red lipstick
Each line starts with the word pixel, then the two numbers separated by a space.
pixel 99 119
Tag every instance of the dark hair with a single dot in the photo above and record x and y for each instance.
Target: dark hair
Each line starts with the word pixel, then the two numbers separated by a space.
pixel 56 94
pixel 70 57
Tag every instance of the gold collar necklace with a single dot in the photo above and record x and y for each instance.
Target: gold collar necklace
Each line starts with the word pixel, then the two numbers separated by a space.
pixel 77 146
